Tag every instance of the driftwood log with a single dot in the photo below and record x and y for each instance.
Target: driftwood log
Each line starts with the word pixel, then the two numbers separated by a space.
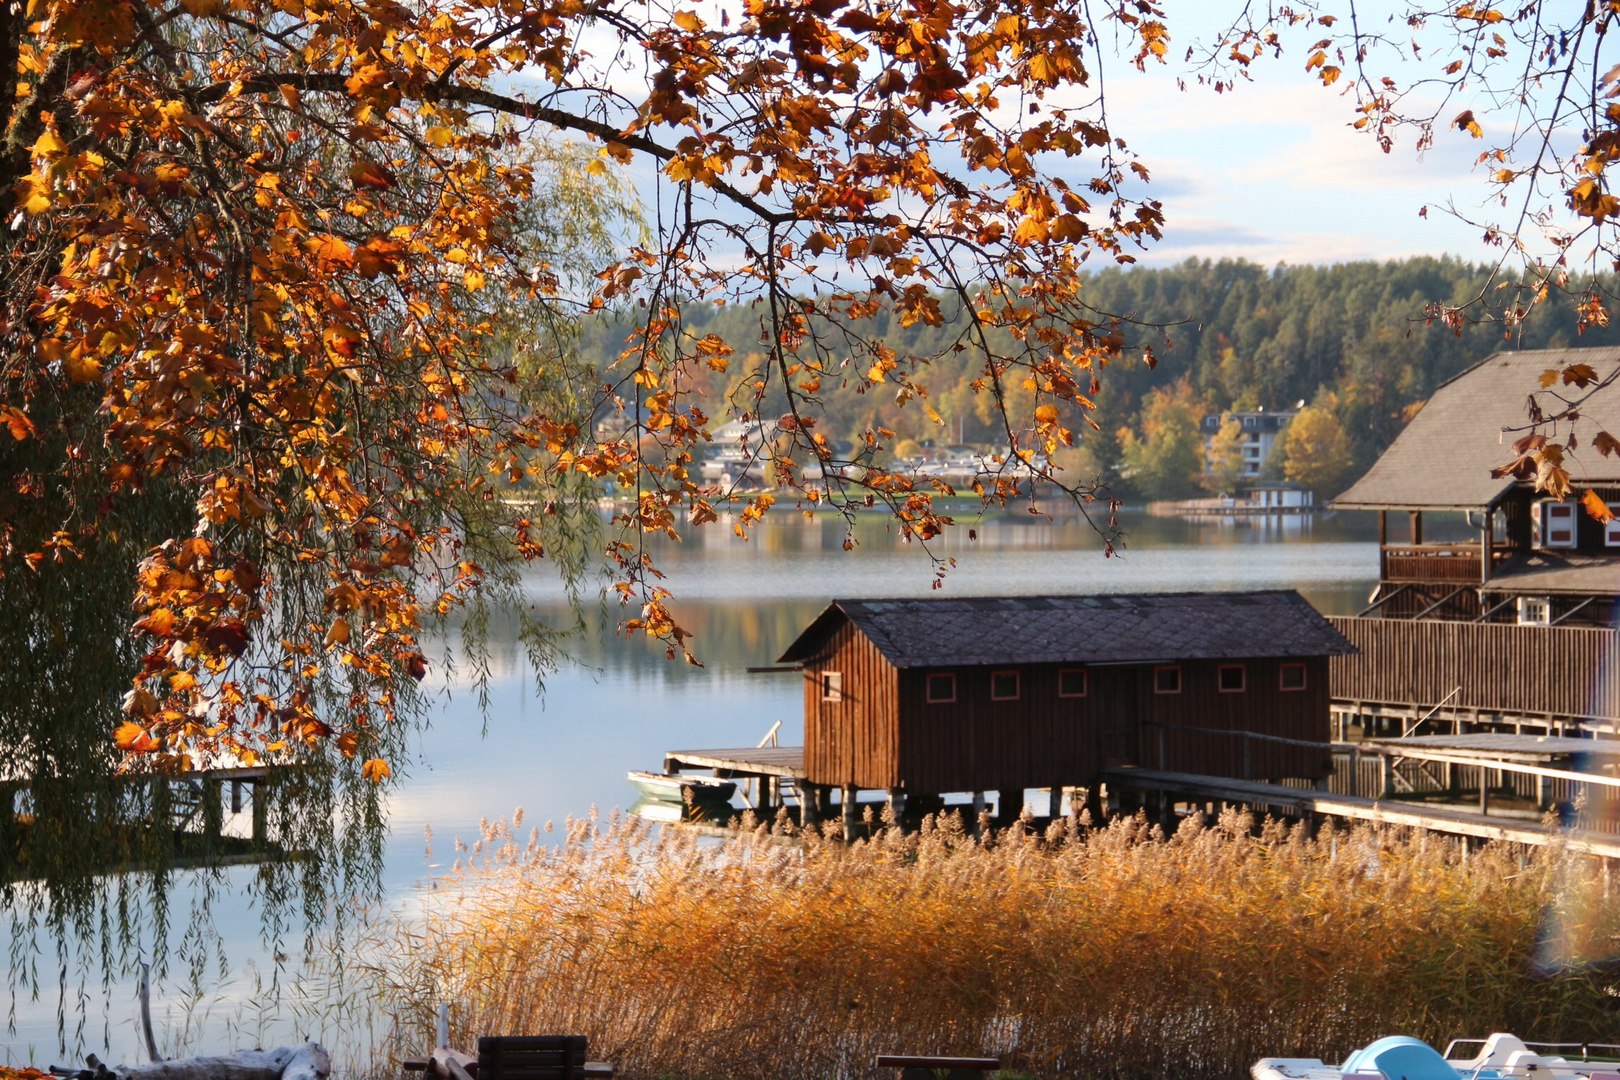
pixel 307 1062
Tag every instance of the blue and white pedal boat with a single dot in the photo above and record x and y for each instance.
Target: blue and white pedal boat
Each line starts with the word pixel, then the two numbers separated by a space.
pixel 1500 1057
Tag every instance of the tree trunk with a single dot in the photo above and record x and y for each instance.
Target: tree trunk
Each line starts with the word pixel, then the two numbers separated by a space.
pixel 307 1062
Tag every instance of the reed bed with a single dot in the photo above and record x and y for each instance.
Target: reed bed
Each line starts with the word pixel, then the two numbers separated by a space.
pixel 1086 953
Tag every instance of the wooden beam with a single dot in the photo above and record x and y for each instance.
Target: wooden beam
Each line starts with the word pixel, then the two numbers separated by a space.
pixel 1433 818
pixel 1446 599
pixel 1498 764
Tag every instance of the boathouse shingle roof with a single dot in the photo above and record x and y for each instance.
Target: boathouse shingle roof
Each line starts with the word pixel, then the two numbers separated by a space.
pixel 1111 629
pixel 1443 460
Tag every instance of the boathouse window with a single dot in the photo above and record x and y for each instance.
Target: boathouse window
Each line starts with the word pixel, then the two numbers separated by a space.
pixel 832 686
pixel 1611 531
pixel 1535 610
pixel 1554 524
pixel 1231 679
pixel 1167 679
pixel 1004 686
pixel 941 688
pixel 1072 682
pixel 1292 677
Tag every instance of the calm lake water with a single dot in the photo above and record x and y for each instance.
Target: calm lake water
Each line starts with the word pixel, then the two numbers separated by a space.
pixel 622 704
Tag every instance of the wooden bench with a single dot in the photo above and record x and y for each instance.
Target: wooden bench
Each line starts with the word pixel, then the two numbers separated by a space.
pixel 915 1067
pixel 446 1064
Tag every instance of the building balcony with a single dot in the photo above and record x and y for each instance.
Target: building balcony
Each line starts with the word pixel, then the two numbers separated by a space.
pixel 1458 563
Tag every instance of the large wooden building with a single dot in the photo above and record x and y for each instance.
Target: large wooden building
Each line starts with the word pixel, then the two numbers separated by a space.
pixel 1517 625
pixel 929 696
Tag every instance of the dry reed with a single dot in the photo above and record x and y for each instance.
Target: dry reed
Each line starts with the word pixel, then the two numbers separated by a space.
pixel 1081 953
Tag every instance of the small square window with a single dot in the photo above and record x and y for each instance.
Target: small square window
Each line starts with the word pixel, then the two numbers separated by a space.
pixel 832 686
pixel 1292 677
pixel 1535 610
pixel 1611 530
pixel 1004 686
pixel 1231 679
pixel 1072 682
pixel 941 688
pixel 1167 679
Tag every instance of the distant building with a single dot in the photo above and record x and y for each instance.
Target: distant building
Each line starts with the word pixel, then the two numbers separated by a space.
pixel 1516 626
pixel 1279 495
pixel 1261 430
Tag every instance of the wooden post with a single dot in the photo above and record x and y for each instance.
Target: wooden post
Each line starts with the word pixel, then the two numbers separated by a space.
pixel 261 810
pixel 1355 771
pixel 1054 802
pixel 1543 792
pixel 1416 526
pixel 897 804
pixel 850 811
pixel 1383 543
pixel 1386 776
pixel 213 812
pixel 1485 540
pixel 1484 790
pixel 809 805
pixel 978 811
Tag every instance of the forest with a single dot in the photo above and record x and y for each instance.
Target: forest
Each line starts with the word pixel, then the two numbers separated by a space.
pixel 1348 341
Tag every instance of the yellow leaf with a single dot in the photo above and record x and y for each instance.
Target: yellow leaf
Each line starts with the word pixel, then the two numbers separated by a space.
pixel 688 21
pixel 81 369
pixel 338 634
pixel 376 770
pixel 1596 507
pixel 439 136
pixel 48 145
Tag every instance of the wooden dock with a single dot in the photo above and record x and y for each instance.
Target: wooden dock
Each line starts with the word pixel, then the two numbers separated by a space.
pixel 1281 799
pixel 782 762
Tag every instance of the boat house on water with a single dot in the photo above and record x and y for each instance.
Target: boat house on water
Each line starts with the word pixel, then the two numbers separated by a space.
pixel 1516 626
pixel 928 696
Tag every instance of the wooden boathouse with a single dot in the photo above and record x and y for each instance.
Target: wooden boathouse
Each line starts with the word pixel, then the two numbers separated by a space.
pixel 920 697
pixel 1515 628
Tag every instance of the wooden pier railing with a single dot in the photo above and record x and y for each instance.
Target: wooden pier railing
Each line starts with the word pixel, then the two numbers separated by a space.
pixel 1559 670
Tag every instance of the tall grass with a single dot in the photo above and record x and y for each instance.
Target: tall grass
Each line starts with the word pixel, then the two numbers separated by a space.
pixel 1081 953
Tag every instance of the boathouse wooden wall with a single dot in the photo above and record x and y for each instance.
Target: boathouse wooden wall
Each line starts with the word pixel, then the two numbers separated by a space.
pixel 883 732
pixel 852 740
pixel 1563 670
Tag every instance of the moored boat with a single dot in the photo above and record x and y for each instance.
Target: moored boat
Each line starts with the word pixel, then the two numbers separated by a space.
pixel 683 790
pixel 1500 1057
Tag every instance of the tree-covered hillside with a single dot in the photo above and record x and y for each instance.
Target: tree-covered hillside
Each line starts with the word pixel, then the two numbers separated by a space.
pixel 1350 339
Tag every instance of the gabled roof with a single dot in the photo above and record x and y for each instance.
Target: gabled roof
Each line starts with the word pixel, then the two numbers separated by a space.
pixel 1443 460
pixel 1126 628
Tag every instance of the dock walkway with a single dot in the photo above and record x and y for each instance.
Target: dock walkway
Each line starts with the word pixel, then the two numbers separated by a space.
pixel 1294 800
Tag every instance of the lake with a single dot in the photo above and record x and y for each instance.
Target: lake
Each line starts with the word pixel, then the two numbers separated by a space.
pixel 621 704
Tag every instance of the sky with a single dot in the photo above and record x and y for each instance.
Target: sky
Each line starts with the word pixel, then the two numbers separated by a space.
pixel 1271 170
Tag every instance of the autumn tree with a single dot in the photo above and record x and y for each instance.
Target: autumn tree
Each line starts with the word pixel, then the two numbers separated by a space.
pixel 1223 460
pixel 1165 458
pixel 261 250
pixel 1316 452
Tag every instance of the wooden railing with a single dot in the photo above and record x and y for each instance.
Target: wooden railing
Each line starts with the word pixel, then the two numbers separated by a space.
pixel 1559 670
pixel 1437 562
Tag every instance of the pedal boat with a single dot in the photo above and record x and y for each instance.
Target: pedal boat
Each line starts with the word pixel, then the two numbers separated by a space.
pixel 1500 1057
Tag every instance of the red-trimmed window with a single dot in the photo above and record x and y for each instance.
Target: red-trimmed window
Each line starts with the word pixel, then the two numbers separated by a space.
pixel 1231 679
pixel 1167 679
pixel 1072 682
pixel 1291 677
pixel 941 688
pixel 1004 686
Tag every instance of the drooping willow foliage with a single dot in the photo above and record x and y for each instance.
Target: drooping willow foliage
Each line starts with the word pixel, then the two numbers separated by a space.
pixel 95 860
